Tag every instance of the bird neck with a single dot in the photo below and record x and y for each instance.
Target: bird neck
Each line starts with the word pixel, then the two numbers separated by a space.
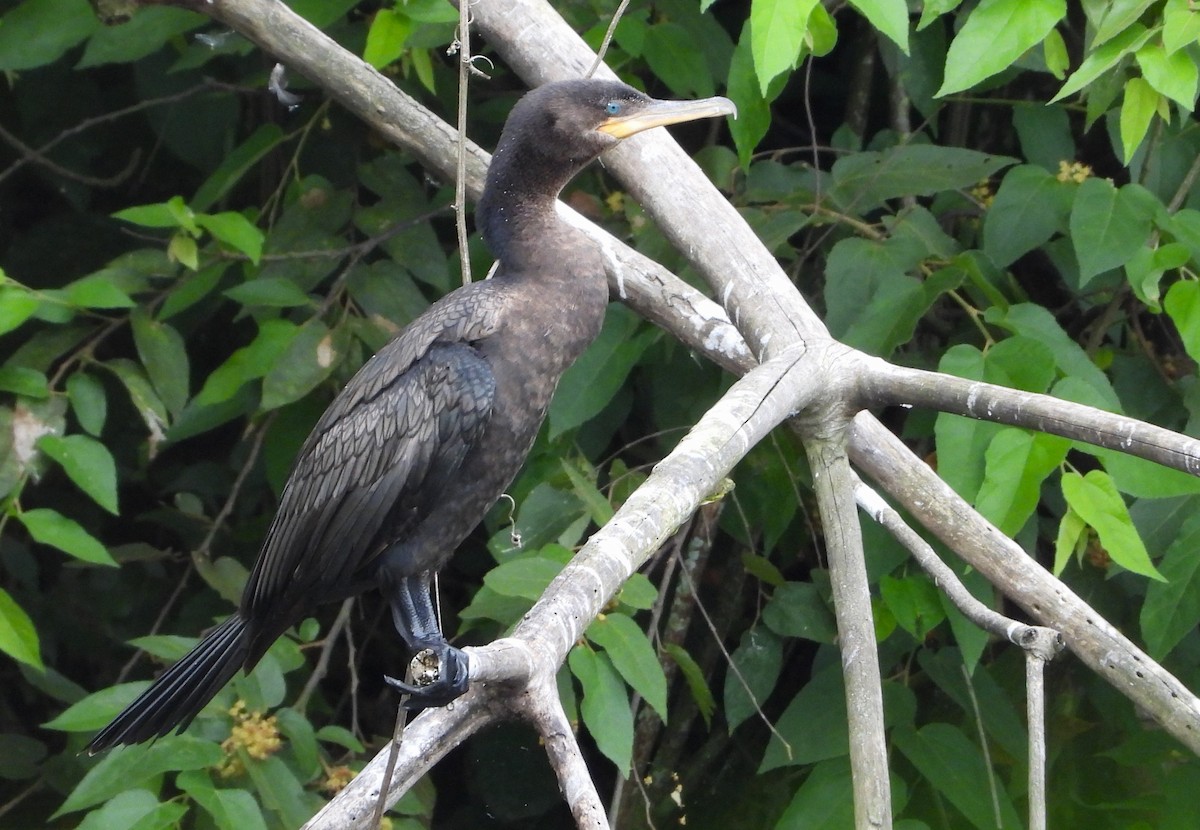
pixel 517 214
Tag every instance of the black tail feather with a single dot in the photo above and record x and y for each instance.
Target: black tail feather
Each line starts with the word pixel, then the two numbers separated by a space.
pixel 179 694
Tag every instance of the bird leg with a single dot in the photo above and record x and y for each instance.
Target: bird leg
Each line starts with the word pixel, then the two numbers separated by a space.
pixel 440 672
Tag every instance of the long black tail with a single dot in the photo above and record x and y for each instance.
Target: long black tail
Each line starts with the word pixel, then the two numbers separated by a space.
pixel 181 691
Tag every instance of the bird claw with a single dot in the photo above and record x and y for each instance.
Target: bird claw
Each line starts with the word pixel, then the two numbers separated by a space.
pixel 440 675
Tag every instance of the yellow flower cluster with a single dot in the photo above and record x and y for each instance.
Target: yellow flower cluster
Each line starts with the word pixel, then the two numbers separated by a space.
pixel 1073 171
pixel 336 779
pixel 984 194
pixel 253 732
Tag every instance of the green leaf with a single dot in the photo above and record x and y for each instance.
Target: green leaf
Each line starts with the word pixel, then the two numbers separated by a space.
pixel 672 54
pixel 585 487
pixel 98 708
pixel 762 569
pixel 825 801
pixel 1181 25
pixel 997 33
pixel 18 637
pixel 273 292
pixel 236 231
pixel 167 647
pixel 1107 226
pixel 49 527
pixel 797 610
pixel 1138 108
pixel 126 767
pixel 1095 498
pixel 1103 59
pixel 88 463
pixel 310 357
pixel 141 393
pixel 1070 541
pixel 755 664
pixel 17 305
pixel 144 33
pixel 1054 52
pixel 341 736
pixel 1118 16
pixel 280 791
pixel 633 656
pixel 953 766
pixel 1172 608
pixel 250 362
pixel 237 164
pixel 697 684
pixel 813 724
pixel 158 215
pixel 638 592
pixel 1017 462
pixel 387 37
pixel 589 385
pixel 526 577
pixel 865 180
pixel 1174 74
pixel 183 249
pixel 959 438
pixel 1030 207
pixel 21 380
pixel 754 111
pixel 88 400
pixel 1182 305
pixel 97 292
pixel 165 357
pixel 37 32
pixel 1037 323
pixel 302 741
pixel 190 288
pixel 915 603
pixel 230 809
pixel 135 809
pixel 888 16
pixel 777 31
pixel 605 706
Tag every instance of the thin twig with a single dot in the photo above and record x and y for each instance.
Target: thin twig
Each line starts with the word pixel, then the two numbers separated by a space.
pixel 733 667
pixel 460 172
pixel 397 736
pixel 608 36
pixel 1035 699
pixel 22 795
pixel 30 155
pixel 86 124
pixel 322 667
pixel 983 743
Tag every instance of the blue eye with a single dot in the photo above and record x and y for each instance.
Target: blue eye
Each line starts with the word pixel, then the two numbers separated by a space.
pixel 613 107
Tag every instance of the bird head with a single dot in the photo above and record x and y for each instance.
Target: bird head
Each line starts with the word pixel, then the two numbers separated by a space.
pixel 583 118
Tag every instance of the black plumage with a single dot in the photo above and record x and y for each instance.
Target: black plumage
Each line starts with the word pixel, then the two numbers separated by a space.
pixel 426 436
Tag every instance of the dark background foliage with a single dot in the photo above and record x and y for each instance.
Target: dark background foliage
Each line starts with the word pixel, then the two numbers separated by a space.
pixel 192 270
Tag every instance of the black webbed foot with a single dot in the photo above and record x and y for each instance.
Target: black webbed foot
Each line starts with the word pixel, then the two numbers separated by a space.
pixel 440 675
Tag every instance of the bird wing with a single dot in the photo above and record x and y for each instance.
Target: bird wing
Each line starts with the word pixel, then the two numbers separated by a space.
pixel 374 463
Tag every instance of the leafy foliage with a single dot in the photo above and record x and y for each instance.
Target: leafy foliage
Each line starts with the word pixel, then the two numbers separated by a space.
pixel 192 270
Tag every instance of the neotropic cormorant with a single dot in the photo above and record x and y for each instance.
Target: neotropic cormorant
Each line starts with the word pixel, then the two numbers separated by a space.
pixel 426 436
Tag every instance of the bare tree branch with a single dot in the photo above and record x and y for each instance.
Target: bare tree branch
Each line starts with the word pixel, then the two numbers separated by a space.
pixel 887 385
pixel 833 482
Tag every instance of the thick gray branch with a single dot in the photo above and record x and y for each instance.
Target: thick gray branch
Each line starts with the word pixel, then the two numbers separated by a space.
pixel 833 482
pixel 888 384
